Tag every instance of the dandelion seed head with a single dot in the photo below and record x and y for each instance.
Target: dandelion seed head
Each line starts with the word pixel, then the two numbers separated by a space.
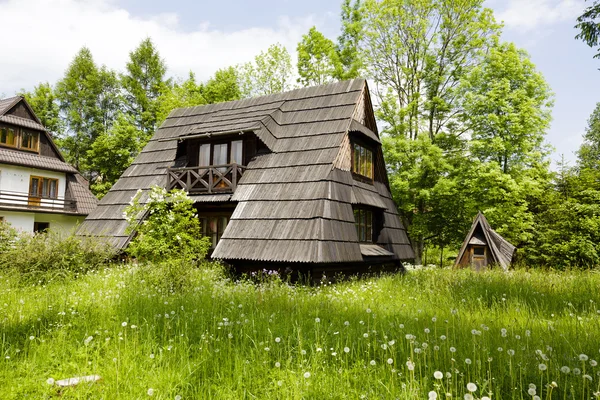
pixel 317 320
pixel 150 392
pixel 468 396
pixel 277 339
pixel 372 362
pixel 438 375
pixel 390 361
pixel 50 381
pixel 178 397
pixel 31 337
pixel 471 387
pixel 452 349
pixel 432 395
pixel 531 391
pixel 542 367
pixel 346 350
pixel 583 357
pixel 277 364
pixel 124 324
pixel 307 375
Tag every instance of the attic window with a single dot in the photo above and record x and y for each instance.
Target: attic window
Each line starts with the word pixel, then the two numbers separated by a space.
pixel 362 161
pixel 30 140
pixel 8 137
pixel 229 152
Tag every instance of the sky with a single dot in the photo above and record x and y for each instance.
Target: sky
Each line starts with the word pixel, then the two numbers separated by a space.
pixel 202 36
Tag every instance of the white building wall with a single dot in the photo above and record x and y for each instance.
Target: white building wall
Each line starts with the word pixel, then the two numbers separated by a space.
pixel 22 221
pixel 15 180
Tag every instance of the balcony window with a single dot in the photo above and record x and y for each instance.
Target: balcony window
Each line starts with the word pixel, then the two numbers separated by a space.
pixel 8 136
pixel 43 187
pixel 30 140
pixel 221 153
pixel 362 161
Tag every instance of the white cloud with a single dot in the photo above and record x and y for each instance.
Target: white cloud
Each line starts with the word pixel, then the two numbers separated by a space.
pixel 46 34
pixel 528 15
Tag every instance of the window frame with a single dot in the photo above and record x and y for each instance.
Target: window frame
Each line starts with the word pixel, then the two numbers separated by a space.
pixel 40 188
pixel 35 134
pixel 214 237
pixel 362 147
pixel 229 144
pixel 15 136
pixel 368 224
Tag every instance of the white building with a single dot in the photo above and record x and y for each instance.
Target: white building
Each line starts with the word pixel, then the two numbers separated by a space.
pixel 38 189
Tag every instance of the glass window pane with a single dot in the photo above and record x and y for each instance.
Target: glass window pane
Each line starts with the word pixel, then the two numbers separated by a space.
pixel 369 164
pixel 53 186
pixel 236 152
pixel 34 186
pixel 204 160
pixel 369 228
pixel 45 184
pixel 220 154
pixel 356 164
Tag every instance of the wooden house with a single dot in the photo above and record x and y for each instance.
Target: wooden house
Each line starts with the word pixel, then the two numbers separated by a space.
pixel 483 248
pixel 290 180
pixel 38 189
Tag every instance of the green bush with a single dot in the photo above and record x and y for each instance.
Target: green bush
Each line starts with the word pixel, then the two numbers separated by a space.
pixel 8 235
pixel 166 228
pixel 52 253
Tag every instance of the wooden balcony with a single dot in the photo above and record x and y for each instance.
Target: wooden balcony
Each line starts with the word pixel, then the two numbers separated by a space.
pixel 19 200
pixel 205 180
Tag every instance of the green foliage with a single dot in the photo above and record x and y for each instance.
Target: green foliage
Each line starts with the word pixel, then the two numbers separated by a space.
pixel 589 152
pixel 507 108
pixel 88 98
pixel 417 52
pixel 44 103
pixel 589 26
pixel 317 59
pixel 166 228
pixel 143 82
pixel 223 86
pixel 8 235
pixel 182 94
pixel 50 255
pixel 350 64
pixel 112 152
pixel 270 72
pixel 222 339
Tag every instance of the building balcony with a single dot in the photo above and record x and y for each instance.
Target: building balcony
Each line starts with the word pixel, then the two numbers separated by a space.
pixel 205 180
pixel 25 201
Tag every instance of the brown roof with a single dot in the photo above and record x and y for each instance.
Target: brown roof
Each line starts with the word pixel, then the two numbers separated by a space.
pixel 8 103
pixel 293 204
pixel 501 250
pixel 15 157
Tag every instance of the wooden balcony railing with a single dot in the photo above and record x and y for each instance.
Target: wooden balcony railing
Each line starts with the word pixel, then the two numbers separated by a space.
pixel 205 180
pixel 25 201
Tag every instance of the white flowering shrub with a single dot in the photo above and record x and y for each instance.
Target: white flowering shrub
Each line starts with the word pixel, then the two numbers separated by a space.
pixel 169 228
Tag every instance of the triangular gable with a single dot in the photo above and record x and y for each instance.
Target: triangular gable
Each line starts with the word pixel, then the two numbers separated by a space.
pixel 500 249
pixel 20 108
pixel 363 112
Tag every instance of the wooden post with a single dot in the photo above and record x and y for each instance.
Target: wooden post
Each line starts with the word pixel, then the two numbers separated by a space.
pixel 234 177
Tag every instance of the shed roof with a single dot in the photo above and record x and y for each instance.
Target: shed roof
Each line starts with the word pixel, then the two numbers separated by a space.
pixel 501 250
pixel 293 204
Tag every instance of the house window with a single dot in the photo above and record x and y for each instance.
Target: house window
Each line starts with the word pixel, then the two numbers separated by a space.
pixel 8 137
pixel 363 220
pixel 362 161
pixel 213 227
pixel 30 140
pixel 39 227
pixel 479 251
pixel 43 187
pixel 220 153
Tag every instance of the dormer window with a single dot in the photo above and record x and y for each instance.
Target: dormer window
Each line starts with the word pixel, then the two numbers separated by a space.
pixel 30 140
pixel 220 153
pixel 8 136
pixel 19 138
pixel 363 220
pixel 362 161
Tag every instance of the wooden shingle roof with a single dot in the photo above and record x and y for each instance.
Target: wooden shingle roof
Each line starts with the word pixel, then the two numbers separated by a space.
pixel 294 204
pixel 501 250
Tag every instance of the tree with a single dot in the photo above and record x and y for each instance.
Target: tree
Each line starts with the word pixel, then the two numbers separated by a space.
pixel 417 53
pixel 350 63
pixel 143 83
pixel 45 105
pixel 87 98
pixel 589 152
pixel 223 86
pixel 269 73
pixel 182 94
pixel 589 25
pixel 317 59
pixel 112 153
pixel 507 109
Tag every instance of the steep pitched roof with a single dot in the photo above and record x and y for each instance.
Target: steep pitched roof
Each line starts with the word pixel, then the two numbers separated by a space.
pixel 77 185
pixel 502 251
pixel 293 204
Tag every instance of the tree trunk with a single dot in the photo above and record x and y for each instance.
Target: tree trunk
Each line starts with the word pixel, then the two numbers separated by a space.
pixel 418 245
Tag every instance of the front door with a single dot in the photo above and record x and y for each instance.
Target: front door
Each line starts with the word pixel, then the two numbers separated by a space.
pixel 35 188
pixel 479 259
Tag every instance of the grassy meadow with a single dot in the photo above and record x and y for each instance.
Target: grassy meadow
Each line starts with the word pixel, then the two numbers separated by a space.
pixel 426 334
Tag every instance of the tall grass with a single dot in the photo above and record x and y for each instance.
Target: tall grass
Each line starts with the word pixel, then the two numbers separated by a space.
pixel 514 336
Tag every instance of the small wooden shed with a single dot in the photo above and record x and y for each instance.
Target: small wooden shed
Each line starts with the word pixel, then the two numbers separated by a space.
pixel 483 247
